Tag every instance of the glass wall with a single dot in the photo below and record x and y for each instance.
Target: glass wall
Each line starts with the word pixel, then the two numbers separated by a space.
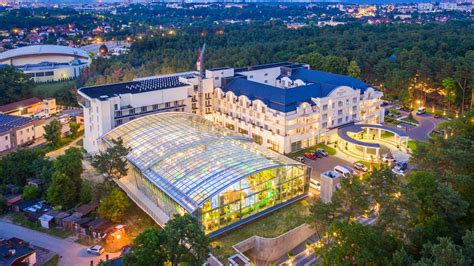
pixel 168 205
pixel 252 195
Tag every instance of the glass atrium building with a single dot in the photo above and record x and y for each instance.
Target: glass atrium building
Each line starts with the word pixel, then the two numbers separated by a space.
pixel 185 163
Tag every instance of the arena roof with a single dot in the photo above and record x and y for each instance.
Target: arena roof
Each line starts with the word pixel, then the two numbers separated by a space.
pixel 43 50
pixel 191 159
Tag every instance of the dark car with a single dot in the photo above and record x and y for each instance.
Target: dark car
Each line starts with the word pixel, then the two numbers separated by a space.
pixel 322 152
pixel 401 166
pixel 437 116
pixel 318 154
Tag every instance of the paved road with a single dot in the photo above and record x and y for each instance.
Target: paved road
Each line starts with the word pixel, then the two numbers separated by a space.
pixel 324 164
pixel 71 253
pixel 427 124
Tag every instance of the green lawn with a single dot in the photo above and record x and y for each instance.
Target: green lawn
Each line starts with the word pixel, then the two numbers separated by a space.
pixel 329 150
pixel 386 135
pixel 53 261
pixel 412 145
pixel 20 219
pixel 410 121
pixel 272 225
pixel 44 90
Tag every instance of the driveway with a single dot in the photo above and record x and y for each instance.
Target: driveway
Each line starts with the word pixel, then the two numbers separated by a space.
pixel 427 124
pixel 71 253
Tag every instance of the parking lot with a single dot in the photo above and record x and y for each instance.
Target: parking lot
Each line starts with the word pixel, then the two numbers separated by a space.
pixel 323 164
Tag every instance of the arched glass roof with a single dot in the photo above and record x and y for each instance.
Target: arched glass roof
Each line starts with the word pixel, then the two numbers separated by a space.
pixel 190 158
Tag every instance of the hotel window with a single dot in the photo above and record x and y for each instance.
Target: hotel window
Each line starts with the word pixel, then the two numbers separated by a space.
pixel 115 106
pixel 132 111
pixel 354 100
pixel 333 105
pixel 325 117
pixel 144 108
pixel 266 81
pixel 167 105
pixel 325 124
pixel 119 113
pixel 155 107
pixel 347 101
pixel 354 108
pixel 339 112
pixel 266 74
pixel 347 118
pixel 176 103
pixel 216 78
pixel 325 107
pixel 339 121
pixel 49 73
pixel 339 104
pixel 354 117
pixel 332 122
pixel 251 76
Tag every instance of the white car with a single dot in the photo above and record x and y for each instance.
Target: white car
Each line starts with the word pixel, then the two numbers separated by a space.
pixel 361 167
pixel 388 158
pixel 398 172
pixel 96 250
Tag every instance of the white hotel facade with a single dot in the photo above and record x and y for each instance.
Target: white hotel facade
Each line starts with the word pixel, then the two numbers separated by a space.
pixel 283 106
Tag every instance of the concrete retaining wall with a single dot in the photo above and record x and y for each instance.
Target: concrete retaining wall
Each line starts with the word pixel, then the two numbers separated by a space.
pixel 262 251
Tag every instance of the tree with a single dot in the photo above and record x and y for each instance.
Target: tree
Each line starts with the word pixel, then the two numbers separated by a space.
pixel 18 166
pixel 3 204
pixel 30 192
pixel 351 243
pixel 434 210
pixel 14 85
pixel 449 90
pixel 103 50
pixel 112 161
pixel 181 241
pixel 70 163
pixel 353 69
pixel 114 205
pixel 185 241
pixel 52 132
pixel 147 249
pixel 74 127
pixel 351 199
pixel 63 191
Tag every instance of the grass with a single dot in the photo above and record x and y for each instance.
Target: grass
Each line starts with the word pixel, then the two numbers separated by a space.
pixel 20 219
pixel 63 142
pixel 386 135
pixel 272 225
pixel 392 121
pixel 412 145
pixel 45 90
pixel 53 261
pixel 329 150
pixel 410 121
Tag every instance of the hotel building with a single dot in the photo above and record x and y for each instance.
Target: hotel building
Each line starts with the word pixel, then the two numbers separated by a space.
pixel 284 106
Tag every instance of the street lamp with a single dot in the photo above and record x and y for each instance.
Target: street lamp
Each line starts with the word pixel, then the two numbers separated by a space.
pixel 418 102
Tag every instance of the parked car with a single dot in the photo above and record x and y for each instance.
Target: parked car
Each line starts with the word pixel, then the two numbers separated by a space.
pixel 361 167
pixel 125 249
pixel 421 111
pixel 300 159
pixel 310 156
pixel 315 184
pixel 388 158
pixel 436 116
pixel 342 170
pixel 322 152
pixel 96 250
pixel 398 172
pixel 401 166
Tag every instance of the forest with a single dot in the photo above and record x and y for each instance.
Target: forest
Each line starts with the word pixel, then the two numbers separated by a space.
pixel 391 57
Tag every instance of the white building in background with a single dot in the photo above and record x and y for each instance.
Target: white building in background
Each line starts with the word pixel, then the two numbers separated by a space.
pixel 46 63
pixel 108 106
pixel 284 106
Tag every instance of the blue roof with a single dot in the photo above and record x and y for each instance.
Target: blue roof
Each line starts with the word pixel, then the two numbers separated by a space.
pixel 13 121
pixel 288 99
pixel 321 77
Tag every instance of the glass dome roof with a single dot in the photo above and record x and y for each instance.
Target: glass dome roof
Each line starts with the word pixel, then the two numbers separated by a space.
pixel 190 158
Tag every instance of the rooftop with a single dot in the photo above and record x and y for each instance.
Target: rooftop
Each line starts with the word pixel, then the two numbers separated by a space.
pixel 20 104
pixel 13 121
pixel 191 159
pixel 14 249
pixel 50 65
pixel 319 84
pixel 137 86
pixel 43 50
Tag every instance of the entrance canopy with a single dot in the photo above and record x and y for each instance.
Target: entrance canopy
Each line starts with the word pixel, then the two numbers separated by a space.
pixel 358 128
